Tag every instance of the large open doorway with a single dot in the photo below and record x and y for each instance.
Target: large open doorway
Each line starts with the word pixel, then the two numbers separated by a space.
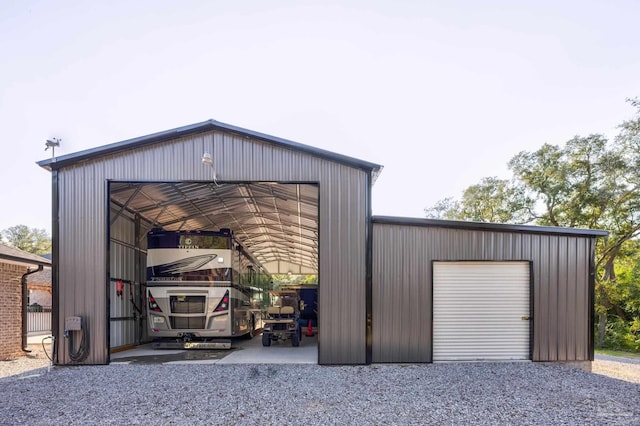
pixel 274 223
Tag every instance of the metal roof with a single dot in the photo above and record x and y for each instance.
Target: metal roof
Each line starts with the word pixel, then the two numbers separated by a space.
pixel 205 126
pixel 276 222
pixel 484 226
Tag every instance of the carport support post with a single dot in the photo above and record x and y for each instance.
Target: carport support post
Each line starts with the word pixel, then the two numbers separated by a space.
pixel 107 268
pixel 135 291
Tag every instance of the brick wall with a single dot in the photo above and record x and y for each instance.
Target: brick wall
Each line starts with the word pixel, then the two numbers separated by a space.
pixel 11 310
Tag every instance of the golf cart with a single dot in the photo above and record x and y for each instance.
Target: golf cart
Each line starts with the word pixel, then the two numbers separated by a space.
pixel 281 322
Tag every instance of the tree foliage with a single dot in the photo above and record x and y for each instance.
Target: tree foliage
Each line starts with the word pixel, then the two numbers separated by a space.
pixel 491 200
pixel 31 240
pixel 280 280
pixel 589 182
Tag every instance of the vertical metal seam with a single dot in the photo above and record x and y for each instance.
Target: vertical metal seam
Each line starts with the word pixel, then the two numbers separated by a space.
pixel 368 272
pixel 592 298
pixel 107 267
pixel 137 262
pixel 532 318
pixel 319 296
pixel 433 261
pixel 55 259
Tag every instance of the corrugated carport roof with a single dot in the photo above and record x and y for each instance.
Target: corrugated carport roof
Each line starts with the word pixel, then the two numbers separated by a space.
pixel 276 223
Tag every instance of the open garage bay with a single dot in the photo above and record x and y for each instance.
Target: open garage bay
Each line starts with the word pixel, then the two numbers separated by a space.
pixel 242 352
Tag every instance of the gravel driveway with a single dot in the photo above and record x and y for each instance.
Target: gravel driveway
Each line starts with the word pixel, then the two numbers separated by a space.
pixel 463 393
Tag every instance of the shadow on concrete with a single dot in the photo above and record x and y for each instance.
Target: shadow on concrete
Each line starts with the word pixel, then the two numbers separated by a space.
pixel 243 351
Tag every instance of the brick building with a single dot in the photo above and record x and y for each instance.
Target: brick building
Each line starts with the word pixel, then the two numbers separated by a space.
pixel 14 264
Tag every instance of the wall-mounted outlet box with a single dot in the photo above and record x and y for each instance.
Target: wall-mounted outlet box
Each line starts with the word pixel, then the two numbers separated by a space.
pixel 73 323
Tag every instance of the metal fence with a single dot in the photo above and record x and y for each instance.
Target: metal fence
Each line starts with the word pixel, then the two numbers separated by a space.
pixel 39 320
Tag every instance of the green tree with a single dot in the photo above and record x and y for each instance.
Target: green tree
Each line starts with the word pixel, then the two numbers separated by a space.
pixel 32 240
pixel 545 175
pixel 447 208
pixel 587 183
pixel 280 280
pixel 492 200
pixel 623 327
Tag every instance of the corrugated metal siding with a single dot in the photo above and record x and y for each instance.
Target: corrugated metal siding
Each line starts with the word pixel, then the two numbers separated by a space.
pixel 123 318
pixel 341 298
pixel 402 287
pixel 82 272
pixel 401 295
pixel 481 311
pixel 343 190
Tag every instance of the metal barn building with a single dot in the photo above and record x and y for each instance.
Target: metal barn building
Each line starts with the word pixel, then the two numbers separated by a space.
pixel 390 289
pixel 448 290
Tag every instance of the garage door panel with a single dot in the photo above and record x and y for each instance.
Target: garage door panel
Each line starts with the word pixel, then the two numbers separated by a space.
pixel 481 311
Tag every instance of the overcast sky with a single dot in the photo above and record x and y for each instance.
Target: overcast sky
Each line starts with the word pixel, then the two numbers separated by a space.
pixel 441 93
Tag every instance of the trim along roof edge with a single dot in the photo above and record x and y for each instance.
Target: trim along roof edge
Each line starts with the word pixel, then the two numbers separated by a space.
pixel 69 159
pixel 484 226
pixel 13 254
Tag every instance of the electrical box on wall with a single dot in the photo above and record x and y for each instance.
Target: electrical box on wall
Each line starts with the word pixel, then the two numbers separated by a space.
pixel 72 323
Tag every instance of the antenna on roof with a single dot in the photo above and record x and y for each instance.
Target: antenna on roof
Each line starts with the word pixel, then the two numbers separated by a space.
pixel 52 143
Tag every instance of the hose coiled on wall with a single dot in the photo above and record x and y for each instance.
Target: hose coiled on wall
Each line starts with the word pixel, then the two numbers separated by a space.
pixel 83 350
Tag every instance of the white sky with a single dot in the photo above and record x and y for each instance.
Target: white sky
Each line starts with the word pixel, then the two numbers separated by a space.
pixel 441 93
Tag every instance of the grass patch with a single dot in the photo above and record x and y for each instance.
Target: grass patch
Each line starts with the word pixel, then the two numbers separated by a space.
pixel 618 353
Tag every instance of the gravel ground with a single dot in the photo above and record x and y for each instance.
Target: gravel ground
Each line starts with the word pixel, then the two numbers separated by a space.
pixel 456 393
pixel 620 368
pixel 37 359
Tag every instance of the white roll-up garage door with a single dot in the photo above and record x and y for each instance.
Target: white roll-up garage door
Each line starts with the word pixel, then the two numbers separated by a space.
pixel 481 311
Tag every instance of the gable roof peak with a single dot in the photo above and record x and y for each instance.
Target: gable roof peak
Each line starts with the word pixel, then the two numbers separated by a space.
pixel 201 127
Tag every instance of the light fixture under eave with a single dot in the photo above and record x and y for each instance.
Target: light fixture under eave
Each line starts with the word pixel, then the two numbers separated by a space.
pixel 207 160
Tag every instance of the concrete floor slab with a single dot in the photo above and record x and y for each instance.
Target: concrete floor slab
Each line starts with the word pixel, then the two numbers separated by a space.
pixel 253 352
pixel 242 351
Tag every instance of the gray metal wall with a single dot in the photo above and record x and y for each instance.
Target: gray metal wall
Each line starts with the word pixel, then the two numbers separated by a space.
pixel 402 287
pixel 343 203
pixel 126 264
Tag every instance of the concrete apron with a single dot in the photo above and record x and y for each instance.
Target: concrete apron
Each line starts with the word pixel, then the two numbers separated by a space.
pixel 242 351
